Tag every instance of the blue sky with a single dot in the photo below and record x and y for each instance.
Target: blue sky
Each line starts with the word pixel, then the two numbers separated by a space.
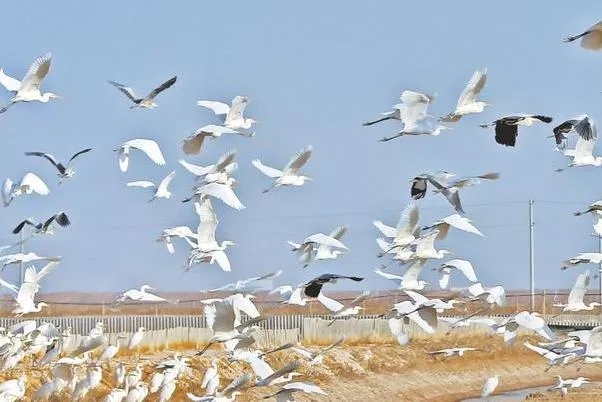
pixel 313 71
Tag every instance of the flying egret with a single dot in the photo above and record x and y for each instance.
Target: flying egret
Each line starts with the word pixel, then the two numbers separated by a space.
pixel 575 300
pixel 149 147
pixel 136 339
pixel 44 227
pixel 534 322
pixel 30 184
pixel 65 172
pixel 286 392
pixel 340 310
pixel 424 247
pixel 26 293
pixel 289 176
pixel 316 356
pixel 456 221
pixel 463 266
pixel 192 144
pixel 206 248
pixel 553 358
pixel 489 386
pixel 467 102
pixel 407 229
pixel 583 153
pixel 506 128
pixel 426 125
pixel 161 191
pixel 438 304
pixel 595 210
pixel 494 295
pixel 409 280
pixel 247 284
pixel 147 102
pixel 170 233
pixel 285 374
pixel 140 295
pixel 228 394
pixel 234 114
pixel 413 107
pixel 450 352
pixel 314 242
pixel 223 192
pixel 583 258
pixel 314 287
pixel 24 258
pixel 28 89
pixel 591 38
pixel 325 251
pixel 423 316
pixel 219 172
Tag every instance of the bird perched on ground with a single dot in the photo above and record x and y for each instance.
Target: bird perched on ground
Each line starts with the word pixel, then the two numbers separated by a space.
pixel 467 102
pixel 149 147
pixel 140 295
pixel 460 265
pixel 313 243
pixel 234 114
pixel 583 258
pixel 161 191
pixel 29 184
pixel 575 299
pixel 43 227
pixel 591 38
pixel 489 386
pixel 65 172
pixel 583 153
pixel 136 338
pixel 147 102
pixel 28 89
pixel 192 144
pixel 569 126
pixel 290 175
pixel 314 287
pixel 506 128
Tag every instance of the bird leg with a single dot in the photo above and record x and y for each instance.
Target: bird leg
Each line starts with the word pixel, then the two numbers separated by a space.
pixel 267 190
pixel 202 351
pixel 332 322
pixel 369 123
pixel 573 38
pixel 385 139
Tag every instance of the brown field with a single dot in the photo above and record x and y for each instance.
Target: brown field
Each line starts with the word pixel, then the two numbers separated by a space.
pixel 381 370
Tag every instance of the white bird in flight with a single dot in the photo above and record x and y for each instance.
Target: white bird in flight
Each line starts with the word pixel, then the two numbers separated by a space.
pixel 24 258
pixel 223 192
pixel 461 265
pixel 413 107
pixel 29 184
pixel 583 153
pixel 28 89
pixel 192 144
pixel 591 38
pixel 583 258
pixel 467 102
pixel 219 172
pixel 234 114
pixel 289 176
pixel 140 295
pixel 161 191
pixel 407 229
pixel 456 221
pixel 409 280
pixel 575 299
pixel 149 147
pixel 26 293
pixel 313 243
pixel 147 102
pixel 182 232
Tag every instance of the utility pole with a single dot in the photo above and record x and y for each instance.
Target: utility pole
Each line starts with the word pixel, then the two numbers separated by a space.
pixel 21 249
pixel 532 253
pixel 600 270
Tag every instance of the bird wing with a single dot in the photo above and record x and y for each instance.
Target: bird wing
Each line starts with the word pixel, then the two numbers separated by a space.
pixel 298 160
pixel 579 288
pixel 150 148
pixel 127 91
pixel 207 221
pixel 360 298
pixel 62 219
pixel 463 266
pixel 586 128
pixel 209 374
pixel 220 316
pixel 506 132
pixel 321 238
pixel 193 143
pixel 473 88
pixel 425 318
pixel 83 151
pixel 585 146
pixel 11 84
pixel 259 366
pixel 239 103
pixel 141 183
pixel 36 73
pixel 408 221
pixel 414 106
pixel 418 188
pixel 50 157
pixel 304 387
pixel 236 384
pixel 28 289
pixel 266 170
pixel 339 232
pixel 35 183
pixel 244 304
pixel 386 230
pixel 196 169
pixel 165 182
pixel 8 285
pixel 330 304
pixel 387 275
pixel 225 160
pixel 281 290
pixel 426 242
pixel 292 366
pixel 443 279
pixel 162 87
pixel 19 227
pixel 48 268
pixel 217 107
pixel 417 297
pixel 396 328
pixel 413 270
pixel 222 192
pixel 462 223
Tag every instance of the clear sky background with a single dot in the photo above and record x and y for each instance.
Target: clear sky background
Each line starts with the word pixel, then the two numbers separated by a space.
pixel 314 71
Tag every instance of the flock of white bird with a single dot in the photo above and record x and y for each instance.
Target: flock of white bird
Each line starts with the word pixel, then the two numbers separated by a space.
pixel 234 319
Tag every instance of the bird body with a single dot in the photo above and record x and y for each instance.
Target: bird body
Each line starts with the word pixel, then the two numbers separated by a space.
pixel 148 101
pixel 289 176
pixel 234 114
pixel 29 184
pixel 467 102
pixel 136 339
pixel 506 128
pixel 161 191
pixel 140 295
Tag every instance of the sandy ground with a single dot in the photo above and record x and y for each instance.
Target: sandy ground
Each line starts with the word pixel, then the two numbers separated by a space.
pixel 378 372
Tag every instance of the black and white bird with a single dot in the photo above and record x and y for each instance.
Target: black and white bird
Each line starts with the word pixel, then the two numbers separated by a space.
pixel 591 38
pixel 569 126
pixel 65 172
pixel 420 183
pixel 148 101
pixel 506 128
pixel 583 153
pixel 44 227
pixel 314 287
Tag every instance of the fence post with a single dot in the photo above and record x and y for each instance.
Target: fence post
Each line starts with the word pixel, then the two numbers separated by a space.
pixel 543 303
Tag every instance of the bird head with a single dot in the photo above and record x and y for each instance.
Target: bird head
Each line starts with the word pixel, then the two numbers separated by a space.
pixel 445 252
pixel 42 304
pixel 226 243
pixel 142 329
pixel 50 95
